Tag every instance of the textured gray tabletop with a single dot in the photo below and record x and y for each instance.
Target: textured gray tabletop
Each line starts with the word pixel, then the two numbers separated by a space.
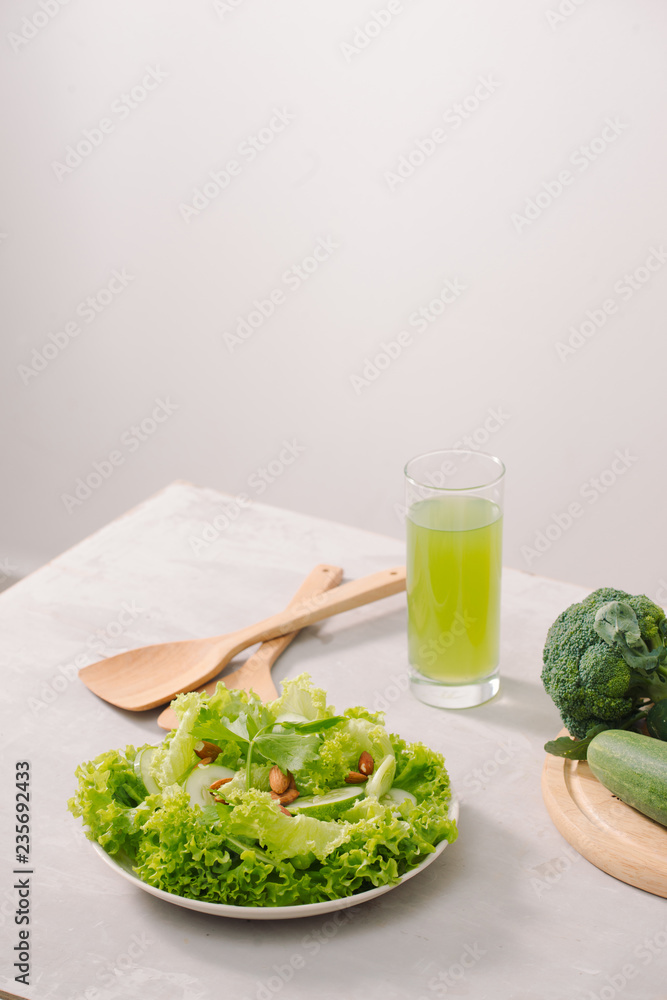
pixel 509 912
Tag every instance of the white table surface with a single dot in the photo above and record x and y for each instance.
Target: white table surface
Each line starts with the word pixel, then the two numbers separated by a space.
pixel 510 912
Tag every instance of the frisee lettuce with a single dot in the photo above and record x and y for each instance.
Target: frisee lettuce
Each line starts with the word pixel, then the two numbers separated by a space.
pixel 245 850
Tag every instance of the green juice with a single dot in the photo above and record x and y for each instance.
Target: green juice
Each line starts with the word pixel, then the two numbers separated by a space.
pixel 454 553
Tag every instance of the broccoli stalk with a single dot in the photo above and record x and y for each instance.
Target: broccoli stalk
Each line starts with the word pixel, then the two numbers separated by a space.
pixel 604 659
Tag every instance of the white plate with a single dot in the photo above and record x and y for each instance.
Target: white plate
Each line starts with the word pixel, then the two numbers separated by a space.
pixel 270 912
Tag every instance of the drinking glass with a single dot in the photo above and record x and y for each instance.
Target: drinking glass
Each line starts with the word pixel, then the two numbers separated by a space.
pixel 454 519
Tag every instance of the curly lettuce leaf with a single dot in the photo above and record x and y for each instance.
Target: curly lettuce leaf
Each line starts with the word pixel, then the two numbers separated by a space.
pixel 112 800
pixel 259 817
pixel 229 719
pixel 340 751
pixel 301 698
pixel 175 756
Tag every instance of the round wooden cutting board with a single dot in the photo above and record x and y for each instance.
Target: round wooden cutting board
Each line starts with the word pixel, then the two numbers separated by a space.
pixel 610 834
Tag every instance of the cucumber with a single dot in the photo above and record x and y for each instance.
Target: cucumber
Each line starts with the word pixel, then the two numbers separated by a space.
pixel 656 720
pixel 199 780
pixel 142 769
pixel 395 796
pixel 381 780
pixel 330 805
pixel 633 767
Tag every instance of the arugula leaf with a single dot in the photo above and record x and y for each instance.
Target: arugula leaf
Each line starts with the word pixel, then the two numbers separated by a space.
pixel 246 726
pixel 212 731
pixel 573 749
pixel 290 751
pixel 314 727
pixel 578 749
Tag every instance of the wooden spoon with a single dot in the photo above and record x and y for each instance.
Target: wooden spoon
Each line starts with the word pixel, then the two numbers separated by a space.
pixel 152 675
pixel 256 671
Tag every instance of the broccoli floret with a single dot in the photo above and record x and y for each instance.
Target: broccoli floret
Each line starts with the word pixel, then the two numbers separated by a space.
pixel 600 671
pixel 651 619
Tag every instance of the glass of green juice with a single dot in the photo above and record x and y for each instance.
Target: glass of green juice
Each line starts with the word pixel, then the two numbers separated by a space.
pixel 454 521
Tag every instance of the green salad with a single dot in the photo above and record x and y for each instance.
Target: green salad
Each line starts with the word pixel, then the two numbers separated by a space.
pixel 275 804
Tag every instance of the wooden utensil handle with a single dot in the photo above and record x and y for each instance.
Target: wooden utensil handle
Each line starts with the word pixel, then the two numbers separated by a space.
pixel 255 672
pixel 349 595
pixel 322 578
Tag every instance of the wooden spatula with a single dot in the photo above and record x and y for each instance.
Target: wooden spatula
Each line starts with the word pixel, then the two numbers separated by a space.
pixel 256 671
pixel 152 675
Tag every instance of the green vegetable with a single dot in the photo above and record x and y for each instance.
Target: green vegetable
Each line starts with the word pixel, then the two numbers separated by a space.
pixel 301 698
pixel 142 769
pixel 603 658
pixel 341 748
pixel 381 780
pixel 329 806
pixel 633 767
pixel 245 850
pixel 575 749
pixel 397 796
pixel 171 760
pixel 656 720
pixel 198 784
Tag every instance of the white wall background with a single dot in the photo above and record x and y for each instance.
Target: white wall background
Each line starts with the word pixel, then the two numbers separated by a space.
pixel 558 71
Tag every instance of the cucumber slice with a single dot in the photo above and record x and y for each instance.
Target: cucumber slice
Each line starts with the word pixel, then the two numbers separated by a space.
pixel 199 780
pixel 142 769
pixel 330 805
pixel 380 781
pixel 395 796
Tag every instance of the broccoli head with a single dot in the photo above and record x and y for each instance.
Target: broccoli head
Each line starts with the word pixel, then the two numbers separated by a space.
pixel 603 657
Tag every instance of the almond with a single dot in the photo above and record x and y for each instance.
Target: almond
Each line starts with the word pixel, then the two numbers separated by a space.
pixel 292 782
pixel 366 763
pixel 355 778
pixel 279 782
pixel 220 781
pixel 216 798
pixel 283 810
pixel 208 750
pixel 289 796
pixel 204 761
